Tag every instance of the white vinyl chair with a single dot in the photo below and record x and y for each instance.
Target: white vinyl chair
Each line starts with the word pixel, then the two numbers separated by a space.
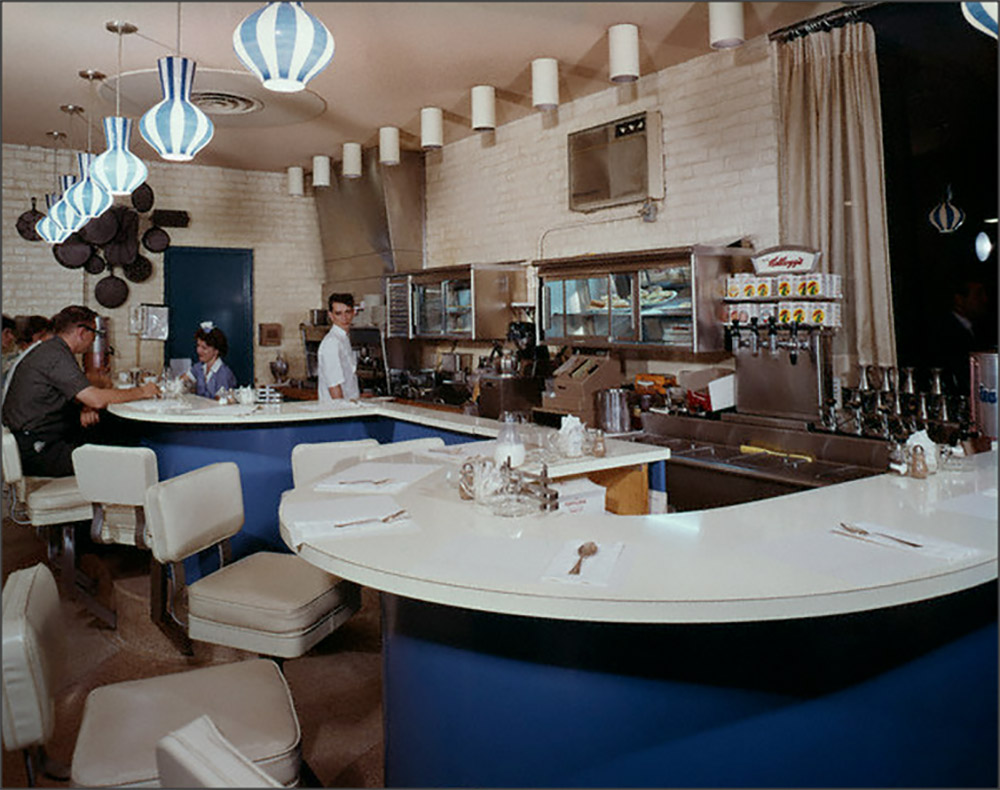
pixel 198 755
pixel 409 446
pixel 122 723
pixel 311 461
pixel 114 480
pixel 54 506
pixel 267 602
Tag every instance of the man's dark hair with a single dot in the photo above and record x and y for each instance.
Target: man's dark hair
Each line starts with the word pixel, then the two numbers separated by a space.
pixel 69 316
pixel 8 323
pixel 215 338
pixel 347 299
pixel 36 324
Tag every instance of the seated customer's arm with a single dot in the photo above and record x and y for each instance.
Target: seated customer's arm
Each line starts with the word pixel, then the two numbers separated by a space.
pixel 336 391
pixel 99 398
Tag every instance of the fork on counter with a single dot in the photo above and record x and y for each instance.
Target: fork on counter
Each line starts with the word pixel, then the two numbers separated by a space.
pixel 399 514
pixel 383 481
pixel 861 531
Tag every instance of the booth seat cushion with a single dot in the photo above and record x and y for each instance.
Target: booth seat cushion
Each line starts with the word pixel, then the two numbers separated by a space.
pixel 249 702
pixel 198 755
pixel 56 500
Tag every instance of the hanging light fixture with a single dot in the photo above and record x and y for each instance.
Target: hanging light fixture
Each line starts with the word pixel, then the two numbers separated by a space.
pixel 483 108
pixel 388 145
pixel 86 196
pixel 982 16
pixel 983 246
pixel 296 181
pixel 284 45
pixel 623 53
pixel 431 127
pixel 175 127
pixel 946 216
pixel 725 25
pixel 118 170
pixel 62 212
pixel 351 166
pixel 47 227
pixel 321 171
pixel 545 83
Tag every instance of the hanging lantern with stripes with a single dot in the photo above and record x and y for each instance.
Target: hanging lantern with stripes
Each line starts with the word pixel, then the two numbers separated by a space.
pixel 175 127
pixel 946 216
pixel 62 212
pixel 50 230
pixel 982 16
pixel 118 170
pixel 284 45
pixel 86 196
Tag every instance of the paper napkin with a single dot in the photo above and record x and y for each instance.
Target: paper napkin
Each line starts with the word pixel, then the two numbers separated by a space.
pixel 595 570
pixel 374 477
pixel 346 516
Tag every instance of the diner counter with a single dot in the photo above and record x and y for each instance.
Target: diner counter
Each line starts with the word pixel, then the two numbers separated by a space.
pixel 765 560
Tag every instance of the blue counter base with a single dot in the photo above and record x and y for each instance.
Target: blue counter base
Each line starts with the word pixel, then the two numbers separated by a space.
pixel 902 697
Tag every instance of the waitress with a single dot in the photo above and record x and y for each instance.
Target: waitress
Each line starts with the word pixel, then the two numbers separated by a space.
pixel 210 373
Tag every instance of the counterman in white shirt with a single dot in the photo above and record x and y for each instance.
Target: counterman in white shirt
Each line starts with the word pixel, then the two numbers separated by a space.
pixel 337 371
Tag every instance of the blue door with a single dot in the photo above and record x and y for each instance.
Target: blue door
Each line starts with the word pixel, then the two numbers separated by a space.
pixel 210 284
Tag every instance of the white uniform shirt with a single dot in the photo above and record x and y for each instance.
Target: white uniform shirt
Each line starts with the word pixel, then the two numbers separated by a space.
pixel 336 365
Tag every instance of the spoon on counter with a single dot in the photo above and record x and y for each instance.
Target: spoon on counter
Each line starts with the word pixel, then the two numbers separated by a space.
pixel 588 549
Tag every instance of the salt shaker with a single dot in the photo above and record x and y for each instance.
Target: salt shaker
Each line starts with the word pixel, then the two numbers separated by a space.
pixel 918 463
pixel 598 449
pixel 467 481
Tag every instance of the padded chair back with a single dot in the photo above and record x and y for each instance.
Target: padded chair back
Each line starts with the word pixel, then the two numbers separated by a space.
pixel 33 645
pixel 193 511
pixel 198 755
pixel 12 472
pixel 115 475
pixel 411 445
pixel 313 461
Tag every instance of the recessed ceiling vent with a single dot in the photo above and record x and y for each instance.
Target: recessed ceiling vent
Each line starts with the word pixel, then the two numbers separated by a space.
pixel 224 103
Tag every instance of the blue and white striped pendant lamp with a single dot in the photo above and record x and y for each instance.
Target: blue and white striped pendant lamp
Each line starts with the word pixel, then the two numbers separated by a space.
pixel 118 170
pixel 175 127
pixel 982 16
pixel 86 196
pixel 50 230
pixel 67 216
pixel 284 45
pixel 946 216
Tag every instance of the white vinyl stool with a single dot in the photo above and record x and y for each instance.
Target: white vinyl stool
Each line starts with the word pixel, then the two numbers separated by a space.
pixel 311 461
pixel 409 446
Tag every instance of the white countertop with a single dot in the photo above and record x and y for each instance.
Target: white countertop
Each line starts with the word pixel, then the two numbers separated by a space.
pixel 195 411
pixel 770 559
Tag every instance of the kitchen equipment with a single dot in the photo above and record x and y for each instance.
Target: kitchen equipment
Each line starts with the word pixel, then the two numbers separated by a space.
pixel 100 230
pixel 27 221
pixel 111 291
pixel 500 392
pixel 279 369
pixel 155 239
pixel 613 414
pixel 72 253
pixel 983 395
pixel 575 384
pixel 142 197
pixel 95 263
pixel 98 356
pixel 319 317
pixel 139 270
pixel 123 248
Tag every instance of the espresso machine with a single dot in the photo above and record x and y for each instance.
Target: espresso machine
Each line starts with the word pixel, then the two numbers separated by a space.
pixel 514 376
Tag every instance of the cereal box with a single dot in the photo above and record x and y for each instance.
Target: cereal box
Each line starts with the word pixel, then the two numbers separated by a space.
pixel 783 285
pixel 749 287
pixel 784 312
pixel 800 310
pixel 763 287
pixel 814 284
pixel 799 284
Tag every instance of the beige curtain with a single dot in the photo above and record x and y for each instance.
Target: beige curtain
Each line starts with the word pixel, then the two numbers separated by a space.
pixel 832 180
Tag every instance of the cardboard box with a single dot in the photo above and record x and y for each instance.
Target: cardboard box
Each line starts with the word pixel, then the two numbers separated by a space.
pixel 580 495
pixel 715 386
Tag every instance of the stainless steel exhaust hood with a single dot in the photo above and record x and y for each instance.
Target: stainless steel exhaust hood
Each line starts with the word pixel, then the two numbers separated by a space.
pixel 373 225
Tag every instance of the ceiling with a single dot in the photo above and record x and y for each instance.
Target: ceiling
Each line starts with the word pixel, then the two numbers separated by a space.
pixel 391 59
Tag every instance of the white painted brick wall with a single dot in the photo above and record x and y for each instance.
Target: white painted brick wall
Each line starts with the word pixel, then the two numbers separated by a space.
pixel 498 198
pixel 228 208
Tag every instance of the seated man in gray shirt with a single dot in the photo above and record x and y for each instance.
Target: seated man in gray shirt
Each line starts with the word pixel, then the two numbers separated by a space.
pixel 49 399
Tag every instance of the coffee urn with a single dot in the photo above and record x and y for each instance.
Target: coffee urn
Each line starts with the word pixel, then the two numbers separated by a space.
pixel 98 356
pixel 983 397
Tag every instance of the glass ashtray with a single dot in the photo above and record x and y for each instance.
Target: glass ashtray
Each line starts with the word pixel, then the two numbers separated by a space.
pixel 514 505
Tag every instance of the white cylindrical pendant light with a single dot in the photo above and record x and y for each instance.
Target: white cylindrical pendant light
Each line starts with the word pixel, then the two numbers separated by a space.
pixel 431 127
pixel 623 53
pixel 725 25
pixel 545 83
pixel 483 108
pixel 388 145
pixel 351 167
pixel 296 181
pixel 321 171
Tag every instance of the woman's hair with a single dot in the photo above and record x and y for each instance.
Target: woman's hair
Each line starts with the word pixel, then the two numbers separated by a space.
pixel 214 338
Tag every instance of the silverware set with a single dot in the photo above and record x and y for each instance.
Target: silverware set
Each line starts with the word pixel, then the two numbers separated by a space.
pixel 397 516
pixel 853 531
pixel 381 482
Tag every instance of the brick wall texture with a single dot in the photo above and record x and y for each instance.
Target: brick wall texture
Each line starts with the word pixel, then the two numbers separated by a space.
pixel 499 197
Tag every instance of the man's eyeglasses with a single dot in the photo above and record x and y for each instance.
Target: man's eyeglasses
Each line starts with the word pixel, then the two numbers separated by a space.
pixel 93 329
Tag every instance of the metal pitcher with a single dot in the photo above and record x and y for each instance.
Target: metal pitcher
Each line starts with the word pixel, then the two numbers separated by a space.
pixel 612 411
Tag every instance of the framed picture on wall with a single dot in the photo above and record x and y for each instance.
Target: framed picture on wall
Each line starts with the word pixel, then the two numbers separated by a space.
pixel 269 334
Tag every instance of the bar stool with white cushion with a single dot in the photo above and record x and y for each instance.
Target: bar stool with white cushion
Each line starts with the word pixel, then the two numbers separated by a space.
pixel 53 505
pixel 409 446
pixel 198 755
pixel 122 723
pixel 114 480
pixel 311 461
pixel 268 603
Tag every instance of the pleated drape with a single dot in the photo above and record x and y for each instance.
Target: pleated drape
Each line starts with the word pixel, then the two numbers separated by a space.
pixel 832 180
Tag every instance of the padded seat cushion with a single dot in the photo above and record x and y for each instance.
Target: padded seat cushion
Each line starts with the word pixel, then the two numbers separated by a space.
pixel 56 500
pixel 248 701
pixel 267 591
